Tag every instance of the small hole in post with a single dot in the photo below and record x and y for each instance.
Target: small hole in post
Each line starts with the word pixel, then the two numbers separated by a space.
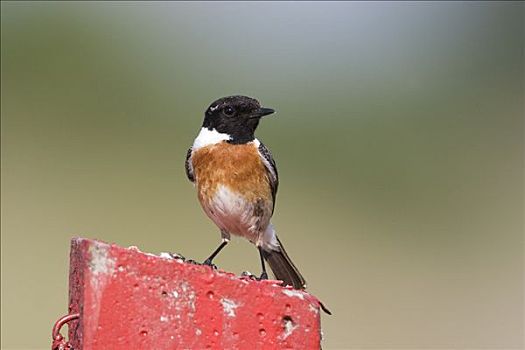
pixel 287 319
pixel 288 326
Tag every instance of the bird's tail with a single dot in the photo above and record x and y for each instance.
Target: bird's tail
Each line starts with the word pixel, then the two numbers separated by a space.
pixel 283 267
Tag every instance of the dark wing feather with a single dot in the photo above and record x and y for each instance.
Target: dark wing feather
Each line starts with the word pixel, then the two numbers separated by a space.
pixel 271 169
pixel 189 167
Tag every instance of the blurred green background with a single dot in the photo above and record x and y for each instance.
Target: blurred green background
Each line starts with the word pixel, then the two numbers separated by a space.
pixel 399 141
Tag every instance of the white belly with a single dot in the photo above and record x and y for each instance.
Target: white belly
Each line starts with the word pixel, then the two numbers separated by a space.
pixel 233 214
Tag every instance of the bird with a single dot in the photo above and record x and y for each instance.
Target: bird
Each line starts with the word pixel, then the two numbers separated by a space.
pixel 236 179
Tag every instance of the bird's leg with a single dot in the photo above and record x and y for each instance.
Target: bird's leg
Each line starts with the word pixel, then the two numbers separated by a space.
pixel 264 275
pixel 214 254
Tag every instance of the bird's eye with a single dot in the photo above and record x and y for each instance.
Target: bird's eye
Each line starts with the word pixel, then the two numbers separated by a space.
pixel 229 111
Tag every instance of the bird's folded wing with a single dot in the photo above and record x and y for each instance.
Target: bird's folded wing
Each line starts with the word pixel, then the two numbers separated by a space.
pixel 271 169
pixel 189 166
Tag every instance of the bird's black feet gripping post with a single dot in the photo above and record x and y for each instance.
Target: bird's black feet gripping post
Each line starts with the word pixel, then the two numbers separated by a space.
pixel 214 254
pixel 264 275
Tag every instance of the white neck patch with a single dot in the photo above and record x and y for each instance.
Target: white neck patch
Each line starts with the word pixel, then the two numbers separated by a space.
pixel 208 137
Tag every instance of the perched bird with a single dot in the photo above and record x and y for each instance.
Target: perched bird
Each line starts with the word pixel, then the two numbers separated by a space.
pixel 237 180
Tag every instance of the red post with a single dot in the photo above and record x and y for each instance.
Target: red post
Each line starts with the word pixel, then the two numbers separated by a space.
pixel 127 299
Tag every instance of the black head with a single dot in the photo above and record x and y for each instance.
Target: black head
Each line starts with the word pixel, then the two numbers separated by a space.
pixel 237 116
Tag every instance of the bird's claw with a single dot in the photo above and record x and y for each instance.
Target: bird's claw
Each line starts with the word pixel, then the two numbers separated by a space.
pixel 264 276
pixel 208 262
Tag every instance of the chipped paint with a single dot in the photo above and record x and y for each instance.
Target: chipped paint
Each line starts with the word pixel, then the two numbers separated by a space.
pixel 170 302
pixel 294 293
pixel 188 294
pixel 165 255
pixel 102 265
pixel 101 262
pixel 289 327
pixel 229 306
pixel 313 309
pixel 191 299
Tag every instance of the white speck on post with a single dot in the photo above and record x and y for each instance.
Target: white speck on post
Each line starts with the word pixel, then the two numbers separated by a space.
pixel 165 255
pixel 289 327
pixel 100 262
pixel 313 309
pixel 294 293
pixel 229 307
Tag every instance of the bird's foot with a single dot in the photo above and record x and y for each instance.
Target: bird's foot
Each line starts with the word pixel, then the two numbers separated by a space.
pixel 264 276
pixel 208 262
pixel 177 256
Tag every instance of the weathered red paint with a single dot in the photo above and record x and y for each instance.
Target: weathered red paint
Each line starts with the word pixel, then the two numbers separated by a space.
pixel 131 300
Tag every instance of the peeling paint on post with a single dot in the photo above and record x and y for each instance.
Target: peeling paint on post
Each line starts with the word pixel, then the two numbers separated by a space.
pixel 132 300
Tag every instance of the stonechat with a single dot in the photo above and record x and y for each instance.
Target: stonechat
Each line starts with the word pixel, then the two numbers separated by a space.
pixel 236 180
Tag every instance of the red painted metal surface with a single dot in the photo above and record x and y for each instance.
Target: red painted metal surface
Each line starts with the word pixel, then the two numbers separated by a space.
pixel 127 299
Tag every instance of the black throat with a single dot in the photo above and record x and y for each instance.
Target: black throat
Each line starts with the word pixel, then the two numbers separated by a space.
pixel 239 133
pixel 236 116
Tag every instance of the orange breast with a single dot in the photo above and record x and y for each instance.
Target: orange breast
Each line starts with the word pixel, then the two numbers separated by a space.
pixel 238 167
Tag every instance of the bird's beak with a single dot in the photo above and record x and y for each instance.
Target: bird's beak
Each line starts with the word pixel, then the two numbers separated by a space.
pixel 261 112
